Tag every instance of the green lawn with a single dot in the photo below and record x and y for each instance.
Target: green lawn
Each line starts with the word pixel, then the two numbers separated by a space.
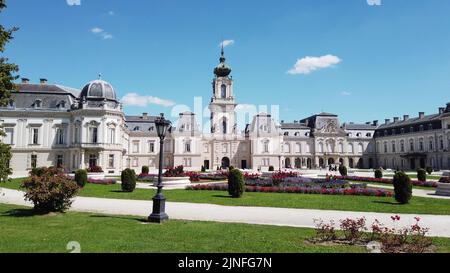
pixel 418 205
pixel 392 186
pixel 24 232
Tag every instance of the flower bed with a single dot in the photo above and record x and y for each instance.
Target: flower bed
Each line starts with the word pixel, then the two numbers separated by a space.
pixel 386 181
pixel 304 182
pixel 193 176
pixel 213 176
pixel 102 181
pixel 301 190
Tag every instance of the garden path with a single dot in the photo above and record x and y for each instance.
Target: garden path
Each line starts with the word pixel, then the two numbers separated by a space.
pixel 439 224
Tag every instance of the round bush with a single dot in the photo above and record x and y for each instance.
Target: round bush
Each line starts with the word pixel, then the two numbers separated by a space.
pixel 421 175
pixel 378 173
pixel 343 170
pixel 271 169
pixel 236 184
pixel 402 188
pixel 50 192
pixel 128 178
pixel 203 169
pixel 429 170
pixel 81 177
pixel 145 170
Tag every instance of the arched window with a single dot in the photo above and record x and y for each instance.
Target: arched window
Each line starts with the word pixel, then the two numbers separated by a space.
pixel 223 91
pixel 320 147
pixel 224 126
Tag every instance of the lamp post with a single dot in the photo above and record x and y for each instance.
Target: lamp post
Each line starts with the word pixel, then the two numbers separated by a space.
pixel 159 201
pixel 279 163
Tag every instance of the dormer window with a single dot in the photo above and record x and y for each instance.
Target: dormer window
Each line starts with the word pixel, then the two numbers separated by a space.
pixel 11 104
pixel 421 128
pixel 37 104
pixel 62 104
pixel 151 129
pixel 286 134
pixel 368 135
pixel 137 128
pixel 430 126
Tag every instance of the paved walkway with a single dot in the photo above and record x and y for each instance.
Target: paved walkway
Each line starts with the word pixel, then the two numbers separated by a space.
pixel 416 192
pixel 439 225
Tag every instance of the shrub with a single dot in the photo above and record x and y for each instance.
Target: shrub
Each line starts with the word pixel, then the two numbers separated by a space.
pixel 231 168
pixel 203 169
pixel 52 191
pixel 421 175
pixel 81 178
pixel 128 178
pixel 378 173
pixel 145 170
pixel 271 169
pixel 429 170
pixel 402 188
pixel 343 170
pixel 175 172
pixel 353 229
pixel 38 171
pixel 95 169
pixel 236 184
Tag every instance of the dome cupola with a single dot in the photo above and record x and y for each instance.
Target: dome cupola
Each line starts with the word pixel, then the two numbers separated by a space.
pixel 98 89
pixel 222 70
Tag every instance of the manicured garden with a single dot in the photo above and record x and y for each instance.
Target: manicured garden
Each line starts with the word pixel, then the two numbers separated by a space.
pixel 22 231
pixel 417 205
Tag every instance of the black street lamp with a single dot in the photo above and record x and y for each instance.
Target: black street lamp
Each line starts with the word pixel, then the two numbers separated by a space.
pixel 159 201
pixel 279 163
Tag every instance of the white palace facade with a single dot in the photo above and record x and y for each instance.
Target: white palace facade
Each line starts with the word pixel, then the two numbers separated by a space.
pixel 53 125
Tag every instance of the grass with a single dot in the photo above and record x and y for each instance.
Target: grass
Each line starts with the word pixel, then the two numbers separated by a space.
pixel 418 205
pixel 414 176
pixel 431 189
pixel 24 232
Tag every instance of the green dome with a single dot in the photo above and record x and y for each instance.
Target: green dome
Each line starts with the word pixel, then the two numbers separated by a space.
pixel 222 70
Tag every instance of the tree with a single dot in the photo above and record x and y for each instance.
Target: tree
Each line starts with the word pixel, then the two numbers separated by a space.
pixel 7 78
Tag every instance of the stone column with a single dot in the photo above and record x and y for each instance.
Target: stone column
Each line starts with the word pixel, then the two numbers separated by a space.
pixel 82 165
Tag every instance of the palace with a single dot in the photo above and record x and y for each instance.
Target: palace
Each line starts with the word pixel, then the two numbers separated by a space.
pixel 53 125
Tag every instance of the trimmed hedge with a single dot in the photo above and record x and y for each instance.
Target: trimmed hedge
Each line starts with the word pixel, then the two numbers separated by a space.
pixel 429 170
pixel 402 188
pixel 145 170
pixel 81 177
pixel 421 175
pixel 271 169
pixel 236 185
pixel 128 178
pixel 378 173
pixel 343 170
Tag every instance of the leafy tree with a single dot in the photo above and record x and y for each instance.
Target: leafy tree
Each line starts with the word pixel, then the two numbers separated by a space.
pixel 7 77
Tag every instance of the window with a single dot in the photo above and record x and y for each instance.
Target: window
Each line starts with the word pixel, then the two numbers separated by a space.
pixel 350 148
pixel 402 146
pixel 76 136
pixel 135 162
pixel 74 161
pixel 111 135
pixel 92 160
pixel 265 162
pixel 360 148
pixel 225 148
pixel 420 144
pixel 266 146
pixel 393 147
pixel 35 136
pixel 60 136
pixel 341 148
pixel 187 147
pixel 206 148
pixel 137 128
pixel 33 161
pixel 224 126
pixel 431 144
pixel 411 145
pixel 37 104
pixel 9 138
pixel 441 143
pixel 111 161
pixel 136 147
pixel 298 148
pixel 187 162
pixel 93 134
pixel 223 91
pixel 385 147
pixel 368 135
pixel 59 161
pixel 320 147
pixel 151 147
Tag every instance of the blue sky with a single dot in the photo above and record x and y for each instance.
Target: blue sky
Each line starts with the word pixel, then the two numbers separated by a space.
pixel 383 60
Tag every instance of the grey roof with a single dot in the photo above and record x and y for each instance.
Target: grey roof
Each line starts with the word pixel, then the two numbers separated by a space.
pixel 411 121
pixel 359 126
pixel 326 114
pixel 141 119
pixel 286 126
pixel 51 97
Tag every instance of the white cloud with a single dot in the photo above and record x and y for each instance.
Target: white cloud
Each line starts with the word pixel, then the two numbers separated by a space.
pixel 134 99
pixel 96 30
pixel 73 2
pixel 309 64
pixel 226 43
pixel 345 93
pixel 374 2
pixel 102 33
pixel 111 13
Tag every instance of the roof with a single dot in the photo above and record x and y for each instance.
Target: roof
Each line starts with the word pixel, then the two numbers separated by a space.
pixel 359 127
pixel 326 114
pixel 286 126
pixel 141 119
pixel 411 121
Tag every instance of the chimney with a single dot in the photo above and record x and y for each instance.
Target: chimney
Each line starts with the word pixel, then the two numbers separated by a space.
pixel 396 119
pixel 375 123
pixel 405 117
pixel 421 115
pixel 441 110
pixel 295 121
pixel 25 80
pixel 145 115
pixel 43 81
pixel 282 121
pixel 386 121
pixel 368 123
